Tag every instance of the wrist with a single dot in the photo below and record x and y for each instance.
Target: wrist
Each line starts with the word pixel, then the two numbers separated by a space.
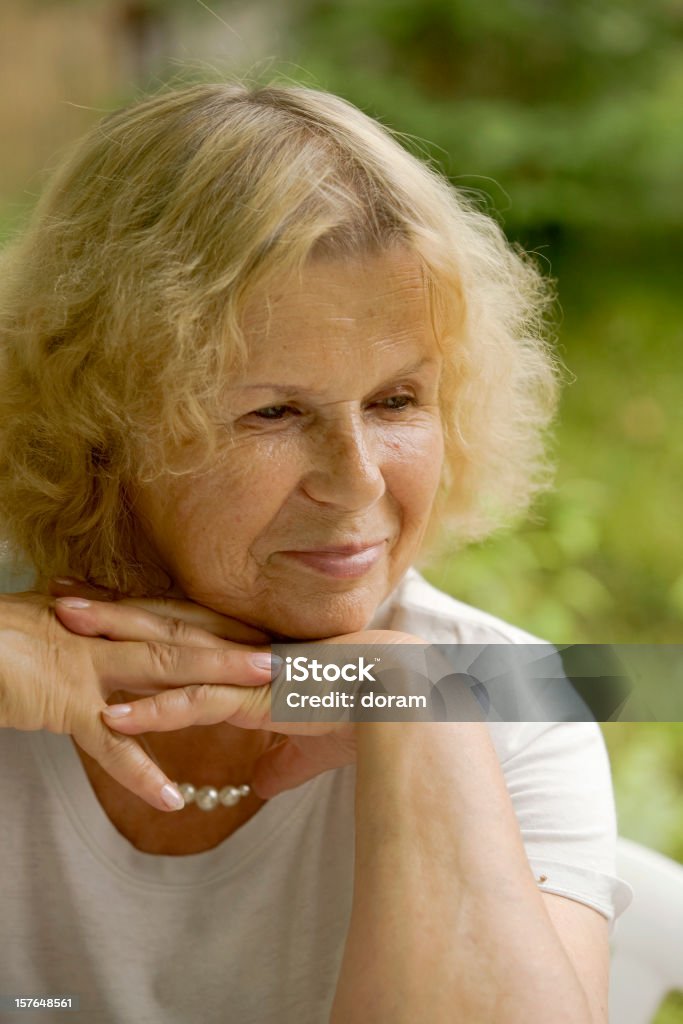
pixel 421 769
pixel 403 744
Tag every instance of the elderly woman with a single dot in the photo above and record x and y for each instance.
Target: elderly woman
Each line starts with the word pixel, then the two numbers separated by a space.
pixel 253 355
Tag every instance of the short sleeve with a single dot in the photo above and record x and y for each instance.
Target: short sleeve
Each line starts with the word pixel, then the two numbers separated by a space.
pixel 559 780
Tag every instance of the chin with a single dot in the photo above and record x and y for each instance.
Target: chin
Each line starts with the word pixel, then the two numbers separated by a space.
pixel 326 619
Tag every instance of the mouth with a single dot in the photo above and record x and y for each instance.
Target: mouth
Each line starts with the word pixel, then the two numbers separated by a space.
pixel 347 561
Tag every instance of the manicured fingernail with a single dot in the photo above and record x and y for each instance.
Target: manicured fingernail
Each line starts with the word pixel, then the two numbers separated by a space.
pixel 271 662
pixel 172 797
pixel 117 710
pixel 73 602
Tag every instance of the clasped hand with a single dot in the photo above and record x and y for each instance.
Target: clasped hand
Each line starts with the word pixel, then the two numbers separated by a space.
pixel 183 663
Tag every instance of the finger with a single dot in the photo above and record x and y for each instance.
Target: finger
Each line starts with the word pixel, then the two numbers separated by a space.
pixel 184 611
pixel 124 759
pixel 120 621
pixel 283 766
pixel 141 666
pixel 192 705
pixel 204 618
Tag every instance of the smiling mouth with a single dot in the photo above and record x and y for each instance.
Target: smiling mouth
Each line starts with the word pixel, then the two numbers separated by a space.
pixel 340 562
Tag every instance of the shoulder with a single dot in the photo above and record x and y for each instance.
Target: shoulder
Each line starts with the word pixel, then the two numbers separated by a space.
pixel 418 607
pixel 527 696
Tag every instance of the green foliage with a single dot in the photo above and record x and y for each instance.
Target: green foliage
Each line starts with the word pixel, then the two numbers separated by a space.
pixel 672 1010
pixel 647 764
pixel 600 560
pixel 573 107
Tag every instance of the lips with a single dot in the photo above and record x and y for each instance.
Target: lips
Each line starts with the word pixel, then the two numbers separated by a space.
pixel 340 561
pixel 338 549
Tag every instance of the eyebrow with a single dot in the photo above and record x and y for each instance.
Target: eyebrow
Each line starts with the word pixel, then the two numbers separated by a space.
pixel 283 389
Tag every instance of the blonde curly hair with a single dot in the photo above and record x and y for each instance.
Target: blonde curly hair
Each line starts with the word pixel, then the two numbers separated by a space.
pixel 121 305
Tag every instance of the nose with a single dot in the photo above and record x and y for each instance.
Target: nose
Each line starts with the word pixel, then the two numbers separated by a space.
pixel 345 463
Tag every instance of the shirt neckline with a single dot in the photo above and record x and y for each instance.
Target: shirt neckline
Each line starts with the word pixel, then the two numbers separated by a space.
pixel 63 769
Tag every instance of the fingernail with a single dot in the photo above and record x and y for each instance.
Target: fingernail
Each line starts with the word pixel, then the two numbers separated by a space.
pixel 73 602
pixel 271 662
pixel 172 797
pixel 118 710
pixel 66 581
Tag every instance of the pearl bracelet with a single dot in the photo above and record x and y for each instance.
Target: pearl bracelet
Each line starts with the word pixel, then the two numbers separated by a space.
pixel 208 797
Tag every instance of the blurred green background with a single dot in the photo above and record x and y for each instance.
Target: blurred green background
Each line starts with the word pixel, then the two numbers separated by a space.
pixel 564 120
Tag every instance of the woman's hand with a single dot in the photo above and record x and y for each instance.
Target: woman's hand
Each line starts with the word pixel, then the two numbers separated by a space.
pixel 52 679
pixel 306 749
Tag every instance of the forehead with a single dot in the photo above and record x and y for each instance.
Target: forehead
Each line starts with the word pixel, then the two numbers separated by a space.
pixel 378 299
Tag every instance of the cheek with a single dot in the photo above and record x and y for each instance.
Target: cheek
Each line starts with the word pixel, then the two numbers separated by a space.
pixel 413 465
pixel 240 496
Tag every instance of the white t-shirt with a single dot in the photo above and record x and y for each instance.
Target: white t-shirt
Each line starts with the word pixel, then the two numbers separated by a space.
pixel 252 931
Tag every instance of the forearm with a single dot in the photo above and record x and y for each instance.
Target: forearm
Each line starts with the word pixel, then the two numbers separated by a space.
pixel 447 922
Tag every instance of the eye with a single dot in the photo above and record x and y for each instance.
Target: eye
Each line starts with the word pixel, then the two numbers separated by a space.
pixel 398 403
pixel 272 412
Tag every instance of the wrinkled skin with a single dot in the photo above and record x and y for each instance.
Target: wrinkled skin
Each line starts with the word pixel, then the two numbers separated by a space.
pixel 333 441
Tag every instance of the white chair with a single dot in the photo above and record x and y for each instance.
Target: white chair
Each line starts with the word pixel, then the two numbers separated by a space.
pixel 647 946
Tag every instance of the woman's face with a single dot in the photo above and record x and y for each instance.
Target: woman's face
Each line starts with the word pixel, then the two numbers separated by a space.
pixel 319 503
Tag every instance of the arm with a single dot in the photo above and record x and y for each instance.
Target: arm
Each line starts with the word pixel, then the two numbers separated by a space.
pixel 447 922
